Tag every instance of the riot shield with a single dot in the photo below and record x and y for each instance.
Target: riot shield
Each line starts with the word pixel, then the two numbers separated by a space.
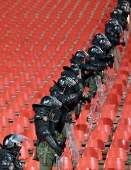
pixel 72 142
pixel 101 94
pixel 58 162
pixel 108 81
pixel 117 59
pixel 126 36
pixel 91 116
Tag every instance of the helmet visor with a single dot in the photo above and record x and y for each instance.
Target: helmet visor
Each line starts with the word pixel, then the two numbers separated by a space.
pixel 17 138
pixel 70 81
pixel 56 102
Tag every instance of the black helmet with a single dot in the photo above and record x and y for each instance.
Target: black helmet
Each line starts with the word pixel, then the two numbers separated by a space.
pixel 116 12
pixel 75 68
pixel 99 36
pixel 80 54
pixel 50 101
pixel 118 29
pixel 112 22
pixel 54 92
pixel 10 141
pixel 62 82
pixel 94 49
pixel 104 43
pixel 124 6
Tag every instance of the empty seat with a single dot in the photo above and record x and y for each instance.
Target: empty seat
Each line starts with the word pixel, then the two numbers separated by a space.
pixel 98 134
pixel 122 134
pixel 117 153
pixel 120 143
pixel 88 162
pixel 30 134
pixel 96 143
pixel 32 163
pixel 106 121
pixel 103 127
pixel 117 163
pixel 24 153
pixel 92 152
pixel 66 163
pixel 124 121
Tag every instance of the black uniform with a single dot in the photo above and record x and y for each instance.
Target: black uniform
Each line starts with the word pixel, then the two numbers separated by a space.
pixel 68 94
pixel 9 159
pixel 47 115
pixel 10 152
pixel 113 32
pixel 118 15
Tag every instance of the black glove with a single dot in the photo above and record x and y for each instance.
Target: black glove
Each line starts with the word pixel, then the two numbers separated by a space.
pixel 88 99
pixel 62 145
pixel 59 151
pixel 110 63
pixel 123 43
pixel 79 93
pixel 68 119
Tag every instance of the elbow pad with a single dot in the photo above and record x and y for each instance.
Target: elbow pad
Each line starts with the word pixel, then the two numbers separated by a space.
pixel 88 67
pixel 49 139
pixel 70 98
pixel 76 87
pixel 106 57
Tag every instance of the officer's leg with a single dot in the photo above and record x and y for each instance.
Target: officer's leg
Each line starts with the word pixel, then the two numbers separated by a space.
pixel 92 87
pixel 62 136
pixel 46 156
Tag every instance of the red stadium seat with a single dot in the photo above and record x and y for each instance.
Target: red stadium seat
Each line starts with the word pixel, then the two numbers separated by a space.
pixel 92 152
pixel 117 163
pixel 122 134
pixel 105 128
pixel 98 134
pixel 24 153
pixel 32 163
pixel 117 153
pixel 88 162
pixel 95 143
pixel 106 121
pixel 66 163
pixel 120 143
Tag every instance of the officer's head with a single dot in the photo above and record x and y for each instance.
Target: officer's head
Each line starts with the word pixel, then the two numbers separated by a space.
pixel 13 142
pixel 55 92
pixel 104 43
pixel 116 12
pixel 98 36
pixel 66 82
pixel 73 69
pixel 94 50
pixel 50 101
pixel 80 55
pixel 62 82
pixel 111 22
pixel 118 29
pixel 124 7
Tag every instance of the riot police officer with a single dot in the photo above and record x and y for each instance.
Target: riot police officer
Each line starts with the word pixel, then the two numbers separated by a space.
pixel 68 92
pixel 114 31
pixel 9 153
pixel 118 15
pixel 124 6
pixel 47 114
pixel 92 67
pixel 102 41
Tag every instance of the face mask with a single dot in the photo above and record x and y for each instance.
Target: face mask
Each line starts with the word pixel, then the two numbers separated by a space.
pixel 17 148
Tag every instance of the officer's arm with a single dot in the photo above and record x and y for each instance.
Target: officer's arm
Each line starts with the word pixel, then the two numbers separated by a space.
pixel 87 67
pixel 71 97
pixel 107 57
